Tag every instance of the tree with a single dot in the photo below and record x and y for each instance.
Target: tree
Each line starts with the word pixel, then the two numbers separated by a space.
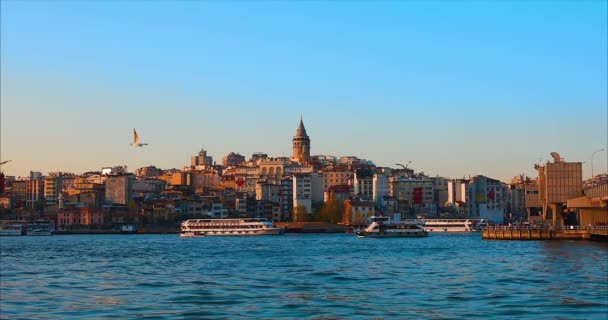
pixel 330 212
pixel 359 218
pixel 300 214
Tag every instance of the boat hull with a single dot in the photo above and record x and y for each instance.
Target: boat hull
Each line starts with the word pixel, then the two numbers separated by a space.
pixel 38 233
pixel 11 233
pixel 236 233
pixel 363 234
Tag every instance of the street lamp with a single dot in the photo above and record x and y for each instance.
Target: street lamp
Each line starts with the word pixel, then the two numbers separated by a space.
pixel 592 155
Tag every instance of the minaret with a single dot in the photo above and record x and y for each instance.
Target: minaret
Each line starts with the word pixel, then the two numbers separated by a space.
pixel 301 145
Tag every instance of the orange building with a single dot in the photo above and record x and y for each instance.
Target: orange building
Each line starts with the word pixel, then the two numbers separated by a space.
pixel 79 217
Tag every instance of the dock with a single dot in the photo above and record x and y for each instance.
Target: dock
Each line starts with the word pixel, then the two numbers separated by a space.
pixel 599 233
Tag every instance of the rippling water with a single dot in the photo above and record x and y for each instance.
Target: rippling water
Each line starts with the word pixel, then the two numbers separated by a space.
pixel 301 276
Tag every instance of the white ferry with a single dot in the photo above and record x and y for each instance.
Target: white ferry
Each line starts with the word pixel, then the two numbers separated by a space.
pixel 453 225
pixel 11 228
pixel 228 227
pixel 383 227
pixel 40 228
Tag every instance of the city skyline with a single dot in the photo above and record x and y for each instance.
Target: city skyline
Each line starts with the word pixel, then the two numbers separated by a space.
pixel 457 90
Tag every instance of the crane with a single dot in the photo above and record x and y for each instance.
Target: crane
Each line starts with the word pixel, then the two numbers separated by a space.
pixel 3 162
pixel 404 166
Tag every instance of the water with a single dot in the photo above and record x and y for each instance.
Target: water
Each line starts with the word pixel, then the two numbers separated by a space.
pixel 444 276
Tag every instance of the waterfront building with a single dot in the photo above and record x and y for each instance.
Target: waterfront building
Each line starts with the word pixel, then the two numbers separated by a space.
pixel 286 197
pixel 558 181
pixel 335 176
pixel 457 191
pixel 380 189
pixel 486 199
pixel 19 192
pixel 232 159
pixel 357 212
pixel 416 193
pixel 265 191
pixel 592 208
pixel 34 192
pixel 516 204
pixel 363 181
pixel 78 217
pixel 316 186
pixel 201 180
pixel 119 189
pixel 534 208
pixel 53 184
pixel 338 193
pixel 302 191
pixel 441 192
pixel 301 145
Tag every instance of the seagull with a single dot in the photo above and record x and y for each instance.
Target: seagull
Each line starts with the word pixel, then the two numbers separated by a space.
pixel 136 140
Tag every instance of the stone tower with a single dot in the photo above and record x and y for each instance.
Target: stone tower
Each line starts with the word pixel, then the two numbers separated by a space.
pixel 301 145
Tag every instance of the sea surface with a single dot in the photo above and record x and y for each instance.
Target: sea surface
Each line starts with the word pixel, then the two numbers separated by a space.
pixel 301 276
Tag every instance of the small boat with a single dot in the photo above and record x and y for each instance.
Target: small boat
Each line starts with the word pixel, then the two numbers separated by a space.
pixel 383 227
pixel 11 228
pixel 228 227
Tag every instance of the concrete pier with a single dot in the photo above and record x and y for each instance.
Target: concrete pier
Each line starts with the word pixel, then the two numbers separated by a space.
pixel 544 233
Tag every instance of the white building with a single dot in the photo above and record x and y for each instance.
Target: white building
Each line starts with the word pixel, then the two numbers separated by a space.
pixel 302 191
pixel 380 188
pixel 457 191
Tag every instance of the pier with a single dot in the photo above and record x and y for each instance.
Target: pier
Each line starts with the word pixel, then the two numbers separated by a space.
pixel 599 233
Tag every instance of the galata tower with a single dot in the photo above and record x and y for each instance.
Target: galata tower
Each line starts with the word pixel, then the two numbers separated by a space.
pixel 301 145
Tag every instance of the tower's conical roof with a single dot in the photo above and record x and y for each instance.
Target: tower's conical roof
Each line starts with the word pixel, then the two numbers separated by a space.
pixel 301 132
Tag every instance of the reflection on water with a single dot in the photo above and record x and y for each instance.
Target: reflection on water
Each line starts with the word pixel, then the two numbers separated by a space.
pixel 292 276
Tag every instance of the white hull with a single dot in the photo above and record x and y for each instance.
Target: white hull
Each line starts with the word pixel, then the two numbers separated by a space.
pixel 10 232
pixel 451 225
pixel 265 232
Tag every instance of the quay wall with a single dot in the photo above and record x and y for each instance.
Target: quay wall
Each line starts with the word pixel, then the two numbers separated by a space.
pixel 541 234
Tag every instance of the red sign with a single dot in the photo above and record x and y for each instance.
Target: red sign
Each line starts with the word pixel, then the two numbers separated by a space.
pixel 417 195
pixel 491 195
pixel 239 182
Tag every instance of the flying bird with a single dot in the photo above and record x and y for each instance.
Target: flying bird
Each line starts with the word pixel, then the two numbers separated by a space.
pixel 136 142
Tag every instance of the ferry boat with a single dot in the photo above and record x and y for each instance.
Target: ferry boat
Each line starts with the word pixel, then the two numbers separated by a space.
pixel 40 228
pixel 454 225
pixel 228 227
pixel 11 228
pixel 383 227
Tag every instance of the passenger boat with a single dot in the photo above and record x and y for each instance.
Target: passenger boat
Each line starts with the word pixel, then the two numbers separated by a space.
pixel 228 227
pixel 383 227
pixel 40 228
pixel 453 225
pixel 11 228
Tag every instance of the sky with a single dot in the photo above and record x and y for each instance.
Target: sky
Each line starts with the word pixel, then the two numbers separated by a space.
pixel 458 88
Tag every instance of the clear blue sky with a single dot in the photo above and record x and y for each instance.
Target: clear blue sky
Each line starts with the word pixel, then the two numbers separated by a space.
pixel 458 88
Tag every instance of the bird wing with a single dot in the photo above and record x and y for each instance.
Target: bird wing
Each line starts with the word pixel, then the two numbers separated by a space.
pixel 135 137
